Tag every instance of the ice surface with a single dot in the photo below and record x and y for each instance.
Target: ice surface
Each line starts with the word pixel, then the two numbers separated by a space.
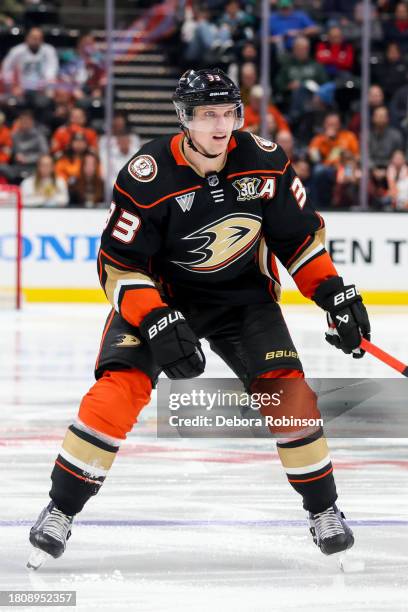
pixel 194 524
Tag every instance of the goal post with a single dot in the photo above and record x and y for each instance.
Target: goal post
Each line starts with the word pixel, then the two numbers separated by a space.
pixel 10 247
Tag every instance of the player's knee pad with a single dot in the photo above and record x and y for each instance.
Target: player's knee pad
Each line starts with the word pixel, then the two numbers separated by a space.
pixel 113 404
pixel 287 402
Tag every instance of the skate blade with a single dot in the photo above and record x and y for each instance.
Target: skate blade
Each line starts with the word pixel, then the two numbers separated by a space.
pixel 349 564
pixel 37 558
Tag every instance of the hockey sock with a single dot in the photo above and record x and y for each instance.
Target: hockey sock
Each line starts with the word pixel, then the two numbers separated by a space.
pixel 80 468
pixel 309 470
pixel 107 413
pixel 302 448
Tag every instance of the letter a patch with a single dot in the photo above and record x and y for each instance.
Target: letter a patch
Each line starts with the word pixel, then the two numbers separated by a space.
pixel 186 200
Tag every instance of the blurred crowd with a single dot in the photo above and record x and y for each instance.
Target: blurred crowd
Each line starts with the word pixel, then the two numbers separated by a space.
pixel 53 146
pixel 47 108
pixel 315 74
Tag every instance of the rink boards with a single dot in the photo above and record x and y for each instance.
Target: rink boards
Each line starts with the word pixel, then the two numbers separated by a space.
pixel 60 249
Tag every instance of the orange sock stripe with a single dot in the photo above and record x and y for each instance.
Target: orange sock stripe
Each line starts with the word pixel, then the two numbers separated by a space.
pixel 77 475
pixel 315 478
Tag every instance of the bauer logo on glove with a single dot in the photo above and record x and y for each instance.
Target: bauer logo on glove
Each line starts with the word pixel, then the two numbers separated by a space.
pixel 347 316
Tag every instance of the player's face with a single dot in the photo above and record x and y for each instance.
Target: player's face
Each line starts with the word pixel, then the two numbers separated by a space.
pixel 212 127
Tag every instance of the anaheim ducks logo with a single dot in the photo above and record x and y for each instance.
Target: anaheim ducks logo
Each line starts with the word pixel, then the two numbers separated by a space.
pixel 127 340
pixel 224 241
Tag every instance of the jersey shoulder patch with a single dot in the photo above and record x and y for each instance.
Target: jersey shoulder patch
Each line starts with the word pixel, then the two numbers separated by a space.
pixel 265 145
pixel 147 178
pixel 143 168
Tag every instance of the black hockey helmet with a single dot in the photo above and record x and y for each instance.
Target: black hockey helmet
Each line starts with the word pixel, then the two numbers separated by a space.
pixel 205 87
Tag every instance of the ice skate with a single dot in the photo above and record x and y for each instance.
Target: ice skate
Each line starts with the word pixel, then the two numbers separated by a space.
pixel 49 535
pixel 330 531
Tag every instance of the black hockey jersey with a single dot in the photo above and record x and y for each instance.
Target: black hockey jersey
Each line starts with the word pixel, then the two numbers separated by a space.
pixel 175 236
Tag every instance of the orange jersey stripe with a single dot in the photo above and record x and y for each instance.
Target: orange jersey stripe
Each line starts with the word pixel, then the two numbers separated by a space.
pixel 260 171
pixel 137 303
pixel 166 197
pixel 309 277
pixel 118 262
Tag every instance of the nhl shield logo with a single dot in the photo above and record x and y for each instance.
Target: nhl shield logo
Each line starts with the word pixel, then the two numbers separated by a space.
pixel 213 180
pixel 186 201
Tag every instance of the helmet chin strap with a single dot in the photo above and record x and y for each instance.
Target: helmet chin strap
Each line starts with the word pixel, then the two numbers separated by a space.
pixel 194 148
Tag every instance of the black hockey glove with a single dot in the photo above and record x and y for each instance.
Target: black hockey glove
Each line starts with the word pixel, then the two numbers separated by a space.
pixel 346 315
pixel 174 345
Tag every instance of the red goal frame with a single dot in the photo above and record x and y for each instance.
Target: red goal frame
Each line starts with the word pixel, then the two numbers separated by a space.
pixel 13 189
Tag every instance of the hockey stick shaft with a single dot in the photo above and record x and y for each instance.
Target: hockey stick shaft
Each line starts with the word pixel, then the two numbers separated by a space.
pixel 386 358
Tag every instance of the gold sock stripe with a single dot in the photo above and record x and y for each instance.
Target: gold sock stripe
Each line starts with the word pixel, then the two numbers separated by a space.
pixel 302 456
pixel 87 453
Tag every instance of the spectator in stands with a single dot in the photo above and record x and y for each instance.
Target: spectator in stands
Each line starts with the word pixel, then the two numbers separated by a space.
pixel 375 99
pixel 396 30
pixel 248 77
pixel 299 77
pixel 326 150
pixel 348 177
pixel 44 188
pixel 352 28
pixel 88 189
pixel 384 140
pixel 397 179
pixel 68 166
pixel 77 123
pixel 62 106
pixel 391 72
pixel 249 53
pixel 285 140
pixel 252 117
pixel 238 21
pixel 301 166
pixel 83 72
pixel 336 55
pixel 287 24
pixel 6 142
pixel 30 70
pixel 119 159
pixel 310 122
pixel 28 144
pixel 120 126
pixel 208 41
pixel 399 109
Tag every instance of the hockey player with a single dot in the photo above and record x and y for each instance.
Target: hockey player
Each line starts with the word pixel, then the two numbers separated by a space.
pixel 188 252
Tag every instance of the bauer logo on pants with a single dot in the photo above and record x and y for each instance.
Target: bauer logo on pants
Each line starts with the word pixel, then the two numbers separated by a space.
pixel 143 168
